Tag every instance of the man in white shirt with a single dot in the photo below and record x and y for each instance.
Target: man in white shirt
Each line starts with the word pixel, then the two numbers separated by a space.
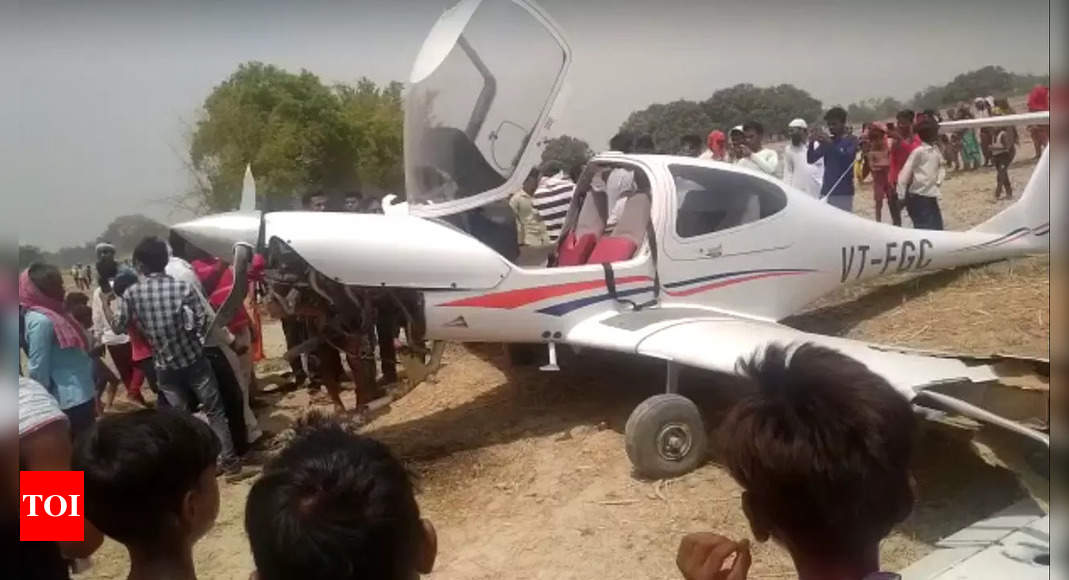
pixel 921 177
pixel 797 171
pixel 751 152
pixel 620 180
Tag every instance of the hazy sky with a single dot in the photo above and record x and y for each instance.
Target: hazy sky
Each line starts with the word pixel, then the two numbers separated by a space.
pixel 105 91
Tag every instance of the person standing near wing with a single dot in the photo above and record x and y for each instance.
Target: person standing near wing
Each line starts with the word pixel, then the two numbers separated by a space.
pixel 797 172
pixel 838 151
pixel 751 151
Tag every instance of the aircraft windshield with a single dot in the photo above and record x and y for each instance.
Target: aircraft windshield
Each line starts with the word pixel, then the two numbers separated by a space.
pixel 469 121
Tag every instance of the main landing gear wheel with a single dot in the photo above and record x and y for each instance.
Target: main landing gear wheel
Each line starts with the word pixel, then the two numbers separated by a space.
pixel 665 437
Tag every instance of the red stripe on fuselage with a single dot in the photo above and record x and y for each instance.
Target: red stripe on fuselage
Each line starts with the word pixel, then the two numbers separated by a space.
pixel 524 296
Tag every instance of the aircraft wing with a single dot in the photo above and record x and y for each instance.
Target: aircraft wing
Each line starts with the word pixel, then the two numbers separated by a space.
pixel 706 340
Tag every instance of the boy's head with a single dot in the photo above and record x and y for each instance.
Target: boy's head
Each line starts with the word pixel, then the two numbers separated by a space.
pixel 315 201
pixel 904 119
pixel 836 120
pixel 150 478
pixel 124 280
pixel 755 133
pixel 690 145
pixel 47 279
pixel 75 299
pixel 928 130
pixel 151 255
pixel 335 505
pixel 821 446
pixel 83 314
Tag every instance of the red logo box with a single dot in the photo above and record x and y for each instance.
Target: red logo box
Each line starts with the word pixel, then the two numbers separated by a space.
pixel 52 506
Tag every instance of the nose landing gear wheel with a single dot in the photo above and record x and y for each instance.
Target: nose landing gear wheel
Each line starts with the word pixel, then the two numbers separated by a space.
pixel 665 437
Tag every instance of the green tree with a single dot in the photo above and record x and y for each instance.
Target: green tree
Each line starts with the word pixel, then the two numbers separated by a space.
pixel 125 232
pixel 375 117
pixel 987 81
pixel 668 123
pixel 29 254
pixel 297 133
pixel 874 109
pixel 567 150
pixel 774 107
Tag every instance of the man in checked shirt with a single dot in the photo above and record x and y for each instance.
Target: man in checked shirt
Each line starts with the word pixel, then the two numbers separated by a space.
pixel 174 322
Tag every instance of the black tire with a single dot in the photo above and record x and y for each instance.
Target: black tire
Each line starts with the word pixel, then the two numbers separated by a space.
pixel 665 437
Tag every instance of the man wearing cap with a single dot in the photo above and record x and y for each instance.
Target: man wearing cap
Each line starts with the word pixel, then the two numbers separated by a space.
pixel 797 172
pixel 116 343
pixel 735 138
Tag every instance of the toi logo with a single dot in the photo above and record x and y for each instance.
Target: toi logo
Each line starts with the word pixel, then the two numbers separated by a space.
pixel 51 507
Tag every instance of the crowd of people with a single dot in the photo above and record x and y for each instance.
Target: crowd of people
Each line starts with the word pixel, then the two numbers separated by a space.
pixel 820 445
pixel 829 162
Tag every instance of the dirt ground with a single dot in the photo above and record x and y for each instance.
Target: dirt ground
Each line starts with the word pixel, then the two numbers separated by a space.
pixel 524 473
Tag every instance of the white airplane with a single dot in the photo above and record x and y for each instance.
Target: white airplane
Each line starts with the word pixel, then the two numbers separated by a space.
pixel 704 260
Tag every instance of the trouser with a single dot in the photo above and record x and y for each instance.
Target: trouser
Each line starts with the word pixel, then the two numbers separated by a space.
pixel 81 418
pixel 296 332
pixel 230 392
pixel 241 365
pixel 894 207
pixel 924 211
pixel 122 356
pixel 534 256
pixel 145 372
pixel 1002 173
pixel 198 382
pixel 843 202
pixel 386 327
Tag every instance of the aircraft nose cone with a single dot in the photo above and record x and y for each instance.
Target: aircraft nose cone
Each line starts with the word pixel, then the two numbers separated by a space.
pixel 217 234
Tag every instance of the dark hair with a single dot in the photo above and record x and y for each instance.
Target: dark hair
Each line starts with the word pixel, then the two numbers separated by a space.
pixel 152 253
pixel 333 505
pixel 645 143
pixel 138 468
pixel 623 142
pixel 822 445
pixel 40 272
pixel 550 167
pixel 124 280
pixel 927 130
pixel 107 269
pixel 75 299
pixel 836 114
pixel 82 313
pixel 757 127
pixel 576 171
pixel 905 116
pixel 306 199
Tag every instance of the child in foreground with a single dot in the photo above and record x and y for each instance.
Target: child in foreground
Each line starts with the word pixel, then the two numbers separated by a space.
pixel 821 447
pixel 150 485
pixel 336 506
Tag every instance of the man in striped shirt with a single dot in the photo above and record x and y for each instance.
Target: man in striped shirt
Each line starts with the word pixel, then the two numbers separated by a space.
pixel 553 196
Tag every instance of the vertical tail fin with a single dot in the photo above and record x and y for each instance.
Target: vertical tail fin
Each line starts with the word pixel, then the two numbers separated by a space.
pixel 1032 210
pixel 248 191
